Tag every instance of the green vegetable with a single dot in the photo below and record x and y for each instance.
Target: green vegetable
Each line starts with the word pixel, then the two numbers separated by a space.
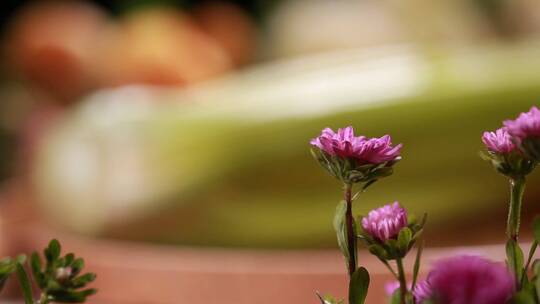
pixel 227 163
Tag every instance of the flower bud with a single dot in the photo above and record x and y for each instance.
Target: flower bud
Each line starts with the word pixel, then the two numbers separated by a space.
pixel 385 223
pixel 388 233
pixel 63 273
pixel 504 155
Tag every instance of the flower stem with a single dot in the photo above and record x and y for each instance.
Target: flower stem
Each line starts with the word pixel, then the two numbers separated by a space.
pixel 351 237
pixel 517 187
pixel 529 259
pixel 402 280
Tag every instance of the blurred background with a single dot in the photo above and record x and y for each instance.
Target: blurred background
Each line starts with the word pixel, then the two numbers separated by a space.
pixel 184 125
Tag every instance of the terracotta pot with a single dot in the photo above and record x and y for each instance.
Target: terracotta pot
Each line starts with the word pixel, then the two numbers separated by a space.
pixel 153 274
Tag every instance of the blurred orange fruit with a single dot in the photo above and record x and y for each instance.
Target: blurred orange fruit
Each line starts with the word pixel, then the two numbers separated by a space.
pixel 159 46
pixel 52 45
pixel 231 27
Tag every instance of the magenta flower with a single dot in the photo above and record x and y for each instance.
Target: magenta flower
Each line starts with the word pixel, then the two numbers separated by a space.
pixel 422 290
pixel 470 279
pixel 385 223
pixel 364 150
pixel 499 141
pixel 526 125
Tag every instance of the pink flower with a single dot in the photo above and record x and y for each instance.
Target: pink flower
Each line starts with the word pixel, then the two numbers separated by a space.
pixel 385 223
pixel 391 287
pixel 470 279
pixel 422 290
pixel 499 141
pixel 526 125
pixel 364 150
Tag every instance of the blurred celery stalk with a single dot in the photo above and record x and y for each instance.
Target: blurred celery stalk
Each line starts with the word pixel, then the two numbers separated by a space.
pixel 228 163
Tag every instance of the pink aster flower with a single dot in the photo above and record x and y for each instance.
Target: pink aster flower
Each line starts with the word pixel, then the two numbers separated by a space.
pixel 469 279
pixel 364 150
pixel 526 125
pixel 385 223
pixel 499 141
pixel 422 290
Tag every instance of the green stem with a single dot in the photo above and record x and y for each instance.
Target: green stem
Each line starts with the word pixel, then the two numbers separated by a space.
pixel 529 259
pixel 402 280
pixel 517 187
pixel 351 237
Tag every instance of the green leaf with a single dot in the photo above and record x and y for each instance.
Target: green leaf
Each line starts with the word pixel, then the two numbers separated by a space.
pixel 532 250
pixel 378 251
pixel 536 267
pixel 358 286
pixel 55 249
pixel 514 256
pixel 7 267
pixel 21 259
pixel 416 268
pixel 70 257
pixel 536 229
pixel 341 232
pixel 25 284
pixel 68 296
pixel 84 279
pixel 35 266
pixel 537 288
pixel 404 239
pixel 77 265
pixel 393 249
pixel 396 297
pixel 523 297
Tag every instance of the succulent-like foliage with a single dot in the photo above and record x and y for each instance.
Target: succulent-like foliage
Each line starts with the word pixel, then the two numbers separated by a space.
pixel 60 279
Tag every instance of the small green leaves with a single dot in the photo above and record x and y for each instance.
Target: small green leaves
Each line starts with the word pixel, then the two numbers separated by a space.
pixel 514 256
pixel 60 279
pixel 358 286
